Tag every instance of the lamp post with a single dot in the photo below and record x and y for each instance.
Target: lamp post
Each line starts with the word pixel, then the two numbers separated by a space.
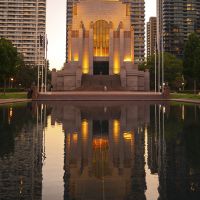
pixel 11 79
pixel 183 84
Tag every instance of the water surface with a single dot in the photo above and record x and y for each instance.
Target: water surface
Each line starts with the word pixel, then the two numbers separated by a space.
pixel 99 151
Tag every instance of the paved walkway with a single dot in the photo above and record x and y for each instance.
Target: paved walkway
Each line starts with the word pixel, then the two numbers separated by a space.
pixel 99 93
pixel 9 101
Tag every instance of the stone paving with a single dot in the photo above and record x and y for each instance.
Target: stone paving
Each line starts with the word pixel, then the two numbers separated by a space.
pixel 100 95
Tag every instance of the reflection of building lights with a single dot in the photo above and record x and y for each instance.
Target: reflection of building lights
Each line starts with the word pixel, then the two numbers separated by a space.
pixel 21 186
pixel 116 129
pixel 100 143
pixel 164 109
pixel 11 113
pixel 128 135
pixel 183 112
pixel 75 137
pixel 84 129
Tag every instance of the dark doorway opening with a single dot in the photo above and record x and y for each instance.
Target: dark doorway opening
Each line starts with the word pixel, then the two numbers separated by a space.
pixel 101 68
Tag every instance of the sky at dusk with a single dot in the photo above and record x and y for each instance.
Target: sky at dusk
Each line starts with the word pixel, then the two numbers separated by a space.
pixel 56 29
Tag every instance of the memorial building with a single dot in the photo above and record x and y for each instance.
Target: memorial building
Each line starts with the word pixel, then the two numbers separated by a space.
pixel 100 47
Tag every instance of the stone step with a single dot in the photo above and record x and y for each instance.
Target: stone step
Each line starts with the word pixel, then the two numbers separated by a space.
pixel 98 82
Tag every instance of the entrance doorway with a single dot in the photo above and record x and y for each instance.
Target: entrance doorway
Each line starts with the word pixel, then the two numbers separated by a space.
pixel 101 68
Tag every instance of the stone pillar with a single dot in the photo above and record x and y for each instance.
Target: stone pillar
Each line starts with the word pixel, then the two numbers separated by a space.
pixel 132 45
pixel 123 77
pixel 121 53
pixel 80 45
pixel 69 50
pixel 111 53
pixel 91 45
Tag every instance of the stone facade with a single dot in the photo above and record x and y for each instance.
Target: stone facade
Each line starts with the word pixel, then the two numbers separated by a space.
pixel 100 41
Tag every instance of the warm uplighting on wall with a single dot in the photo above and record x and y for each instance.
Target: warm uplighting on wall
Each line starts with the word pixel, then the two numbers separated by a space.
pixel 85 61
pixel 116 67
pixel 127 59
pixel 100 143
pixel 76 58
pixel 85 68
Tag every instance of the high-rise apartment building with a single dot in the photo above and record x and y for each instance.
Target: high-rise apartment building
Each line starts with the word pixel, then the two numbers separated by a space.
pixel 177 20
pixel 23 22
pixel 151 36
pixel 138 22
pixel 137 12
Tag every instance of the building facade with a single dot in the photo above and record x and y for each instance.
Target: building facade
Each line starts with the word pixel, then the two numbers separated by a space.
pixel 137 13
pixel 23 22
pixel 151 36
pixel 101 42
pixel 177 20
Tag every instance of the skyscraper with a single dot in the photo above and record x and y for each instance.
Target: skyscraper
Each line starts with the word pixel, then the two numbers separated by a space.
pixel 23 22
pixel 151 36
pixel 177 20
pixel 137 11
pixel 138 21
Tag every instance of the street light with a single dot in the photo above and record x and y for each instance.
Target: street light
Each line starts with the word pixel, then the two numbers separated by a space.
pixel 11 81
pixel 183 86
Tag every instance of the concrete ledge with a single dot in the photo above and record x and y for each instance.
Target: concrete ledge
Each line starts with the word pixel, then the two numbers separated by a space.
pixel 100 96
pixel 186 101
pixel 11 101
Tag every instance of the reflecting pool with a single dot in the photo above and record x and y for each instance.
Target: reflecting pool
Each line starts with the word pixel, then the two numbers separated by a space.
pixel 99 151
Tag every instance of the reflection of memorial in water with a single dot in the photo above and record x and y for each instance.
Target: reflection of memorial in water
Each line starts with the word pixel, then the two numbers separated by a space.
pixel 21 158
pixel 104 150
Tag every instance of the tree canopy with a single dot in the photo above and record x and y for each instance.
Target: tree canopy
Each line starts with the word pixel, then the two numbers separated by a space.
pixel 191 60
pixel 9 59
pixel 173 70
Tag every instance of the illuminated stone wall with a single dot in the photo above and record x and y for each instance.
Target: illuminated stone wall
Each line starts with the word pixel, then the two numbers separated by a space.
pixel 100 32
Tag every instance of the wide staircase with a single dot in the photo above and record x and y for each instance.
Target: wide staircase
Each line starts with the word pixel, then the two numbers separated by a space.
pixel 100 83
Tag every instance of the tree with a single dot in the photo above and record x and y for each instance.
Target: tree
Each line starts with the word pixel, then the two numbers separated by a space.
pixel 26 75
pixel 173 70
pixel 9 59
pixel 191 60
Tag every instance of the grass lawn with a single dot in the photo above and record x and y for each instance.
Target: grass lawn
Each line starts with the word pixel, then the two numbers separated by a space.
pixel 14 95
pixel 184 96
